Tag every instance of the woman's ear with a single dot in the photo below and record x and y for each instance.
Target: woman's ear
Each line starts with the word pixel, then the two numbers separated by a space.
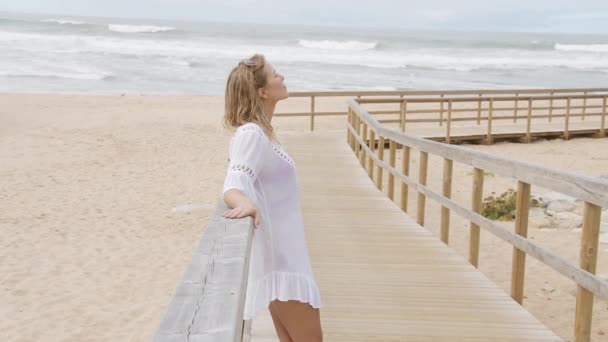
pixel 262 93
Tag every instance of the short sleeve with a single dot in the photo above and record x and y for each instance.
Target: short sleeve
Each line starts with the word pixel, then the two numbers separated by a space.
pixel 247 155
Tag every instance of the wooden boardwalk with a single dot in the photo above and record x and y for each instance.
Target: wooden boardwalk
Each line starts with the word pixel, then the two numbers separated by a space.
pixel 502 130
pixel 383 277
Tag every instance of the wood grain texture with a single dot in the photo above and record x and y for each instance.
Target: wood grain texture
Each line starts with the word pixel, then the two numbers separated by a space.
pixel 209 300
pixel 583 278
pixel 382 277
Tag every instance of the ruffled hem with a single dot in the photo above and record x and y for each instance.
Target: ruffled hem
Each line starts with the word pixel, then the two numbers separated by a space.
pixel 283 286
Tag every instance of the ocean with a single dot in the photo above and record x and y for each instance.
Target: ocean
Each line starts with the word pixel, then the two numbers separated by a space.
pixel 83 55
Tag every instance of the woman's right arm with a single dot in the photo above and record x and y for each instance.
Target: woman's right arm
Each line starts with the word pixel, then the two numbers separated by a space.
pixel 241 206
pixel 247 152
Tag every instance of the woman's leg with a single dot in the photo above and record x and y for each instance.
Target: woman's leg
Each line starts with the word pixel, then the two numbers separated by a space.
pixel 280 328
pixel 301 320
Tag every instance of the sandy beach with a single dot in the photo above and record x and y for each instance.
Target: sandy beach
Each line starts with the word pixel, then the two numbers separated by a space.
pixel 104 198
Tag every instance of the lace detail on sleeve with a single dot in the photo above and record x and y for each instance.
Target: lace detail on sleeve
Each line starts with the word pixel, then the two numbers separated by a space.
pixel 244 169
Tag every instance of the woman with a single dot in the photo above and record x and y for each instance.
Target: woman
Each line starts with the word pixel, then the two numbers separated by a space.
pixel 261 183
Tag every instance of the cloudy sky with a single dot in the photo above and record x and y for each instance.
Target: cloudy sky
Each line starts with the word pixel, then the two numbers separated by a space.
pixel 584 16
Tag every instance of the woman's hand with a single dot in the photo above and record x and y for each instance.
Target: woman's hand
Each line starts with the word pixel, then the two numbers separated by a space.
pixel 244 211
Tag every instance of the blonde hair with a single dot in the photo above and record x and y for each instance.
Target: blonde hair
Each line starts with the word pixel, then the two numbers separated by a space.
pixel 242 102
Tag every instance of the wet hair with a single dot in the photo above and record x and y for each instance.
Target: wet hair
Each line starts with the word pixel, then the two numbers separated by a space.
pixel 242 102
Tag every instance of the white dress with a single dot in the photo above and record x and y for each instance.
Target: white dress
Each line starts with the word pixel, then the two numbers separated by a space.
pixel 279 267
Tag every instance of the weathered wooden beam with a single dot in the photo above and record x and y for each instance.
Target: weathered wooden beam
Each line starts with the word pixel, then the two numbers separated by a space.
pixel 209 301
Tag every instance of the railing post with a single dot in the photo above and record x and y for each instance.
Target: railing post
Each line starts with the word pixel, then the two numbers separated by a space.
pixel 401 111
pixel 420 205
pixel 363 155
pixel 521 228
pixel 403 114
pixel 566 133
pixel 353 120
pixel 603 125
pixel 448 127
pixel 357 122
pixel 489 138
pixel 476 204
pixel 391 178
pixel 551 108
pixel 516 107
pixel 529 121
pixel 372 147
pixel 479 111
pixel 405 167
pixel 312 113
pixel 447 193
pixel 379 168
pixel 588 262
pixel 584 106
pixel 441 112
pixel 349 118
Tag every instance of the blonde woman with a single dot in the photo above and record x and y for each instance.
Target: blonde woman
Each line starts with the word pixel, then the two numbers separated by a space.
pixel 261 183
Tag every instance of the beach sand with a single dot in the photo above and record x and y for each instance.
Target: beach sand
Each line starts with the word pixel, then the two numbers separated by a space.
pixel 104 199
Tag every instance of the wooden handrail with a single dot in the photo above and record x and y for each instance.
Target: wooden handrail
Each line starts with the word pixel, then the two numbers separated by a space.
pixel 483 99
pixel 457 96
pixel 209 302
pixel 586 188
pixel 594 191
pixel 440 92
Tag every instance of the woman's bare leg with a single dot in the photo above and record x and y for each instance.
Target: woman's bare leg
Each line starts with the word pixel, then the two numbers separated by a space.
pixel 301 320
pixel 280 328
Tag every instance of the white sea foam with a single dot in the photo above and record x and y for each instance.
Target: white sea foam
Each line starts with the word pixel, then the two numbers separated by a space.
pixel 139 28
pixel 64 21
pixel 582 47
pixel 55 74
pixel 183 51
pixel 351 45
pixel 192 59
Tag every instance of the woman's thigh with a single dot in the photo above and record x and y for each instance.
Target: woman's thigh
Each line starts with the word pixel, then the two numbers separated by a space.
pixel 278 325
pixel 301 320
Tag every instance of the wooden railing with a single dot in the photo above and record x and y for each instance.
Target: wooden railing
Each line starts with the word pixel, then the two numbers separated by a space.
pixel 491 109
pixel 442 97
pixel 208 304
pixel 362 131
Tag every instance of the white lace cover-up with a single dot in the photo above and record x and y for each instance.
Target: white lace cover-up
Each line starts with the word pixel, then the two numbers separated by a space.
pixel 279 267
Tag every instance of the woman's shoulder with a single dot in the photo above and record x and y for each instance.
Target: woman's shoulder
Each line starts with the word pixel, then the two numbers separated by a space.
pixel 252 129
pixel 251 132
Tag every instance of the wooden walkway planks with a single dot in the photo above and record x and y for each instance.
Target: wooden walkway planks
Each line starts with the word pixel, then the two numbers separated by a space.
pixel 500 130
pixel 383 277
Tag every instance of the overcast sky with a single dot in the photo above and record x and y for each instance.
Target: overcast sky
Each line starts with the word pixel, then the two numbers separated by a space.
pixel 583 16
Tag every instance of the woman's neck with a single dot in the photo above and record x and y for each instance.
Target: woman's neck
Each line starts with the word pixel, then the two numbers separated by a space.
pixel 269 107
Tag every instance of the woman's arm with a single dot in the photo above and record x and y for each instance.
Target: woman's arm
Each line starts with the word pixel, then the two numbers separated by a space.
pixel 248 149
pixel 242 206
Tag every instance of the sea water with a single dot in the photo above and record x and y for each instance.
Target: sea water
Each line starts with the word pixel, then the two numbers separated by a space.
pixel 83 55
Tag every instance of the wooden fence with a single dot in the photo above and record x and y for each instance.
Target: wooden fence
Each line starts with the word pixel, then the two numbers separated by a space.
pixel 558 100
pixel 362 132
pixel 491 109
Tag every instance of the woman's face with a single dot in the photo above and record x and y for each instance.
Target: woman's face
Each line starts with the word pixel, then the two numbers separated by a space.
pixel 274 90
